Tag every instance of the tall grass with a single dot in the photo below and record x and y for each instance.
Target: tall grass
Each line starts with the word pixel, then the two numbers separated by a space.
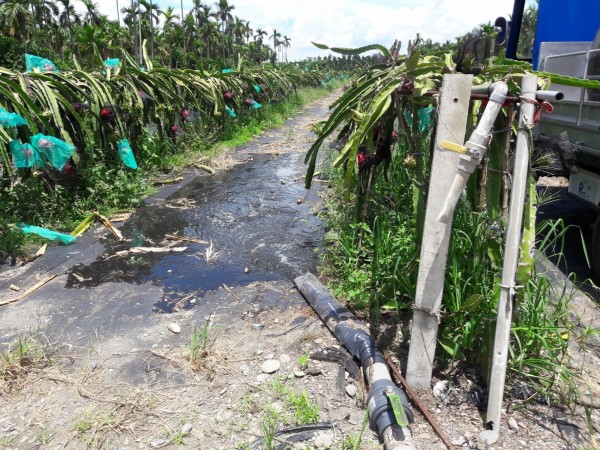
pixel 373 266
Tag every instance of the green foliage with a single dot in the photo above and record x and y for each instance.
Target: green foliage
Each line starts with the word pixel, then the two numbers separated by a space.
pixel 102 183
pixel 11 240
pixel 373 264
pixel 380 271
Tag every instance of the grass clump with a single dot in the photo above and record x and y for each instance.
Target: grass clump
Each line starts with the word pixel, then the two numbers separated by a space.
pixel 373 265
pixel 198 347
pixel 27 354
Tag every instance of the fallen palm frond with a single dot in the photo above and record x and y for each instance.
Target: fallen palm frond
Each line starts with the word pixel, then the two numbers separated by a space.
pixel 168 181
pixel 84 225
pixel 150 250
pixel 205 168
pixel 110 226
pixel 29 291
pixel 173 237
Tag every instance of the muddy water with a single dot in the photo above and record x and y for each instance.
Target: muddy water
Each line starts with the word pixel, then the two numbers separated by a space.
pixel 250 214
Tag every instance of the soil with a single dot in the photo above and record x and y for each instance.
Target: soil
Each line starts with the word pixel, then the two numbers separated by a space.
pixel 106 344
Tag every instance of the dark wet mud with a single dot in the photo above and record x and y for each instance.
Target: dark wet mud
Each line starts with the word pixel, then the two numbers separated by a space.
pixel 252 218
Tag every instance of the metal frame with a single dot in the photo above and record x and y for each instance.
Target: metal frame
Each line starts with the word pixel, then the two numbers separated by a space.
pixel 582 99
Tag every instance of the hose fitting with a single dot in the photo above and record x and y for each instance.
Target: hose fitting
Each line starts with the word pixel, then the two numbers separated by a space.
pixel 381 413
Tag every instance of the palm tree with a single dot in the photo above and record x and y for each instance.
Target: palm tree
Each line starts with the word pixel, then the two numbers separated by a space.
pixel 152 12
pixel 118 16
pixel 91 41
pixel 238 29
pixel 44 12
pixel 199 10
pixel 170 16
pixel 183 29
pixel 16 18
pixel 210 35
pixel 66 18
pixel 258 37
pixel 224 13
pixel 203 14
pixel 92 12
pixel 247 31
pixel 286 44
pixel 189 25
pixel 275 37
pixel 131 19
pixel 168 28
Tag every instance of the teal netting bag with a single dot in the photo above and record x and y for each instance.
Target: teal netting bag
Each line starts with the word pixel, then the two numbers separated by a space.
pixel 231 112
pixel 126 154
pixel 22 154
pixel 37 63
pixel 112 63
pixel 25 156
pixel 8 119
pixel 256 88
pixel 58 152
pixel 45 233
pixel 426 116
pixel 252 103
pixel 226 70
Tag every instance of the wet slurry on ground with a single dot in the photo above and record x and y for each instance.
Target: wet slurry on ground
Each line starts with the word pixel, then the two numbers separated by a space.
pixel 250 217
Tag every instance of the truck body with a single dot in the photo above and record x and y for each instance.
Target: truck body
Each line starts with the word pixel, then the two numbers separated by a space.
pixel 567 42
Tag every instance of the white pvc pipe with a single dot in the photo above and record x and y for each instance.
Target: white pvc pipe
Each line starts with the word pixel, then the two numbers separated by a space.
pixel 511 259
pixel 476 145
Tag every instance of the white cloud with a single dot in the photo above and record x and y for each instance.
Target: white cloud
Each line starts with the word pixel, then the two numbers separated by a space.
pixel 353 23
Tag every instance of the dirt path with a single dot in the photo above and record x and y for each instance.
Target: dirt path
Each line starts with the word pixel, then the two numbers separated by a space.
pixel 121 379
pixel 105 347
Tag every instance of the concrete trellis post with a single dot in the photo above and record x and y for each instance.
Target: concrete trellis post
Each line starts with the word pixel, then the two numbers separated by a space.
pixel 511 259
pixel 451 126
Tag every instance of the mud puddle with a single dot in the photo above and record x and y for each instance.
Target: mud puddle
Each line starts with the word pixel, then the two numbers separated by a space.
pixel 240 226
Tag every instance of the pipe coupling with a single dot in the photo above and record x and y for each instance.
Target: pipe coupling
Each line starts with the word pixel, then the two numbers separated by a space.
pixel 381 414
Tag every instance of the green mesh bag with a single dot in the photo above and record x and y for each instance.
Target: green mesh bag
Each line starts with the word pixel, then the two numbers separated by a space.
pixel 231 112
pixel 45 233
pixel 256 88
pixel 8 119
pixel 25 156
pixel 126 154
pixel 112 63
pixel 426 116
pixel 58 152
pixel 22 154
pixel 37 63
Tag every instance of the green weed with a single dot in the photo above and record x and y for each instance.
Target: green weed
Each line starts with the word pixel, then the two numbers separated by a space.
pixel 303 359
pixel 299 409
pixel 198 344
pixel 28 353
pixel 373 264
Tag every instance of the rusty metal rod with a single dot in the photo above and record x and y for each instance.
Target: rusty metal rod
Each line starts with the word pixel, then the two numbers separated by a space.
pixel 413 395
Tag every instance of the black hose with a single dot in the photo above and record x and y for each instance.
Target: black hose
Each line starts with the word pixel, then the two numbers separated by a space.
pixel 355 336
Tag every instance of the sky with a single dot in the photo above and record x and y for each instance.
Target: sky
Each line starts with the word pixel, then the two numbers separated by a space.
pixel 353 23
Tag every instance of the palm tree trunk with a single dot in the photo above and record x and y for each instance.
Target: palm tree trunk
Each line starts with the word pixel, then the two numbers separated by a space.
pixel 183 27
pixel 70 28
pixel 151 36
pixel 139 17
